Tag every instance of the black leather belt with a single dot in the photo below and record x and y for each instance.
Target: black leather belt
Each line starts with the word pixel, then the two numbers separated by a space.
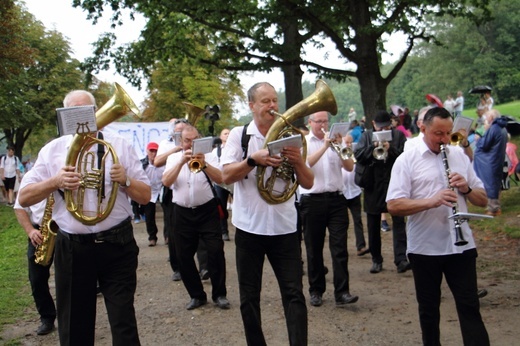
pixel 120 234
pixel 324 194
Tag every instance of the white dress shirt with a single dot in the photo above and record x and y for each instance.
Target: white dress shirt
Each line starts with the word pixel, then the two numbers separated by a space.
pixel 250 212
pixel 419 173
pixel 327 170
pixel 51 160
pixel 190 190
pixel 350 189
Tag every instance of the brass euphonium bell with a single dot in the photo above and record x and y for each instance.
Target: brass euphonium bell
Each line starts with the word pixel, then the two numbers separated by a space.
pixel 93 178
pixel 194 112
pixel 321 99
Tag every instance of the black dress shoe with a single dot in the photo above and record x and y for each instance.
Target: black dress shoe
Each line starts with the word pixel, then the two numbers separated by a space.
pixel 316 299
pixel 403 266
pixel 196 303
pixel 176 276
pixel 225 237
pixel 204 274
pixel 376 268
pixel 222 302
pixel 346 298
pixel 45 328
pixel 482 293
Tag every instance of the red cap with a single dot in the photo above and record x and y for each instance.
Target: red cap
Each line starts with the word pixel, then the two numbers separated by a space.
pixel 152 146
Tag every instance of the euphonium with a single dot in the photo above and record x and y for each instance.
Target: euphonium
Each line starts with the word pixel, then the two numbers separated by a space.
pixel 321 99
pixel 84 160
pixel 48 229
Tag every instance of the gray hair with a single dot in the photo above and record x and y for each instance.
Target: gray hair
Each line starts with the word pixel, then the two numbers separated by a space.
pixel 73 93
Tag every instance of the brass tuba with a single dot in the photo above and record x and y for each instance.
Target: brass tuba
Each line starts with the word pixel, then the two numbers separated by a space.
pixel 321 99
pixel 49 229
pixel 84 160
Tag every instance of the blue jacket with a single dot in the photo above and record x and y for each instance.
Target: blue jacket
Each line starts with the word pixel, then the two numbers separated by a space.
pixel 489 157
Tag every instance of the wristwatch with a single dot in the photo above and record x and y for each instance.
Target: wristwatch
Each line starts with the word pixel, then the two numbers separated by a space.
pixel 127 183
pixel 251 162
pixel 468 192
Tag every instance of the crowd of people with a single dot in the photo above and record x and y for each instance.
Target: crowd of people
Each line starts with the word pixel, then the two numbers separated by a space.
pixel 400 177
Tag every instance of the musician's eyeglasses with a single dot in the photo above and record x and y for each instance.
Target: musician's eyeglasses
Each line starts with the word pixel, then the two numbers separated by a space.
pixel 178 121
pixel 320 121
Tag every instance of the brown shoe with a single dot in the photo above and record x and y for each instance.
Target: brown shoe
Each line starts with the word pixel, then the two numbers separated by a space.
pixel 363 251
pixel 494 213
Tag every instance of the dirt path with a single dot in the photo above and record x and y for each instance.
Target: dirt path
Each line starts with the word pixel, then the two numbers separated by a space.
pixel 386 313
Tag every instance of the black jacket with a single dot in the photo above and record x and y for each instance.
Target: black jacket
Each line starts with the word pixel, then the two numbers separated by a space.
pixel 375 192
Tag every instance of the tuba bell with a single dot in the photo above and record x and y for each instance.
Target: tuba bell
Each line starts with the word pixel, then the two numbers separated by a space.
pixel 93 178
pixel 321 99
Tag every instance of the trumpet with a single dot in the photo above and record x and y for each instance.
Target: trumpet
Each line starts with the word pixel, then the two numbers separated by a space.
pixel 195 165
pixel 456 138
pixel 380 153
pixel 344 153
pixel 459 237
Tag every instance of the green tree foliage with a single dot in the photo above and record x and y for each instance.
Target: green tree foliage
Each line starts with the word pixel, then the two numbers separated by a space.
pixel 15 52
pixel 28 99
pixel 470 55
pixel 262 35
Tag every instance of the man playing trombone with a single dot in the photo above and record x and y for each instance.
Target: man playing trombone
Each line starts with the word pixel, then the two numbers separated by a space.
pixel 419 189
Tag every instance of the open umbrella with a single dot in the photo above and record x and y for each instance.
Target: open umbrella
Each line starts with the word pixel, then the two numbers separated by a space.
pixel 395 109
pixel 434 100
pixel 480 89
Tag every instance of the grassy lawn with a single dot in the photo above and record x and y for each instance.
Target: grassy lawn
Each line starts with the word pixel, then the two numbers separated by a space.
pixel 15 292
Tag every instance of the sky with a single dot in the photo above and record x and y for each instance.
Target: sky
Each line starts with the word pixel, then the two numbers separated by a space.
pixel 81 33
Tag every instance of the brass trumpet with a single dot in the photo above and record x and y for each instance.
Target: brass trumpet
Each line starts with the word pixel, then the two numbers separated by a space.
pixel 344 153
pixel 195 165
pixel 456 138
pixel 380 153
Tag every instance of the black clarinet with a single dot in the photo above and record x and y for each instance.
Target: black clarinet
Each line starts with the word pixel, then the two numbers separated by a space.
pixel 459 237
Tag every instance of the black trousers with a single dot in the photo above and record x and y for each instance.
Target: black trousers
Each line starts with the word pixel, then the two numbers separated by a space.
pixel 398 237
pixel 151 225
pixel 167 206
pixel 354 205
pixel 319 213
pixel 39 279
pixel 461 276
pixel 192 225
pixel 223 196
pixel 78 269
pixel 284 254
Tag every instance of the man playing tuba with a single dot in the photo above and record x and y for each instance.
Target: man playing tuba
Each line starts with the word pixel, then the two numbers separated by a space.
pixel 85 254
pixel 264 229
